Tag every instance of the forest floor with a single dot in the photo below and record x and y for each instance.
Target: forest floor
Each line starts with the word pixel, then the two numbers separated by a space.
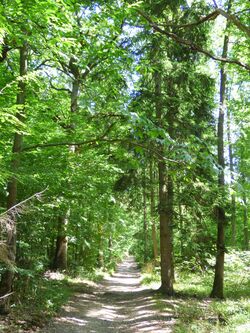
pixel 127 301
pixel 119 304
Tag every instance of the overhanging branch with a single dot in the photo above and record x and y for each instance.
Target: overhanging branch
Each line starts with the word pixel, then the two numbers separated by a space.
pixel 212 16
pixel 235 21
pixel 209 17
pixel 96 142
pixel 191 45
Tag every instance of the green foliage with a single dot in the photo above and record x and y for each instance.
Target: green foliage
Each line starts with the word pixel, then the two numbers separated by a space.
pixel 37 299
pixel 113 55
pixel 195 312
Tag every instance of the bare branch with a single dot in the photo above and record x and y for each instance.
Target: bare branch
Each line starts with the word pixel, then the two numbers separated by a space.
pixel 59 89
pixel 37 195
pixel 41 64
pixel 235 21
pixel 96 142
pixel 7 295
pixel 212 16
pixel 215 4
pixel 107 115
pixel 209 17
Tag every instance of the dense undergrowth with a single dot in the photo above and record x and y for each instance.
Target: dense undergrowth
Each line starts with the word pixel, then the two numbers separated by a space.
pixel 195 311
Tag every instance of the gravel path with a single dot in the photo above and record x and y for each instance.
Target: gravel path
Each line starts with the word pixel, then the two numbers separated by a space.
pixel 120 304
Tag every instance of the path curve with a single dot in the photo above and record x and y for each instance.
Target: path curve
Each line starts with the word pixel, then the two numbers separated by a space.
pixel 120 304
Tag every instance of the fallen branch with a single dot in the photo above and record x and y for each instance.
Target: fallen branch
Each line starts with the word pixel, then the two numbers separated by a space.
pixel 7 295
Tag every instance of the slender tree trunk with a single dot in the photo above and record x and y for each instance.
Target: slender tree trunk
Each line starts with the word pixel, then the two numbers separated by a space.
pixel 152 213
pixel 166 246
pixel 181 230
pixel 231 166
pixel 110 247
pixel 101 262
pixel 60 261
pixel 170 185
pixel 218 285
pixel 145 226
pixel 7 277
pixel 245 223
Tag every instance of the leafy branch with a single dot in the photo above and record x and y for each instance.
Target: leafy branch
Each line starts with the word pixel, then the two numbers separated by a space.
pixel 193 46
pixel 212 16
pixel 96 142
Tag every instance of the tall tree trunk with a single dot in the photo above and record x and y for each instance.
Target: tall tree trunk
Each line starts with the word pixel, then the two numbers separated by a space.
pixel 181 230
pixel 100 258
pixel 218 285
pixel 170 183
pixel 231 166
pixel 60 261
pixel 7 277
pixel 152 212
pixel 145 226
pixel 166 246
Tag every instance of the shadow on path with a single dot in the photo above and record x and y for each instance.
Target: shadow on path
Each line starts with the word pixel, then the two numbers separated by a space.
pixel 120 304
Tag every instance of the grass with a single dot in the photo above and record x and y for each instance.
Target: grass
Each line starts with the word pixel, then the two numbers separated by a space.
pixel 36 300
pixel 39 297
pixel 192 308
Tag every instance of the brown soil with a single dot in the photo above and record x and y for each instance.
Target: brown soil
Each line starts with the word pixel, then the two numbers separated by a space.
pixel 119 304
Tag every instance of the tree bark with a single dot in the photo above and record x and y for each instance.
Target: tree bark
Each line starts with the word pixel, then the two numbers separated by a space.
pixel 181 229
pixel 7 277
pixel 60 261
pixel 245 223
pixel 100 258
pixel 145 226
pixel 166 246
pixel 152 213
pixel 231 166
pixel 218 284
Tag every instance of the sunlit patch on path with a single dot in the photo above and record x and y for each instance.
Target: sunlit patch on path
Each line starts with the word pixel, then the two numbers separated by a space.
pixel 121 304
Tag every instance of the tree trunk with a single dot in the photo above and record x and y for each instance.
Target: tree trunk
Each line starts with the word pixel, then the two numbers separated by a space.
pixel 152 212
pixel 181 230
pixel 231 166
pixel 100 258
pixel 145 226
pixel 110 248
pixel 218 285
pixel 166 246
pixel 245 225
pixel 60 261
pixel 8 275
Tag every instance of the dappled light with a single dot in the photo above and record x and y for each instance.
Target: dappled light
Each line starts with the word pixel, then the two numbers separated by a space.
pixel 124 167
pixel 120 304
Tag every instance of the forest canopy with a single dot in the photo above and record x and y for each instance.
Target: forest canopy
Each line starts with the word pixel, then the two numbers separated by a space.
pixel 124 128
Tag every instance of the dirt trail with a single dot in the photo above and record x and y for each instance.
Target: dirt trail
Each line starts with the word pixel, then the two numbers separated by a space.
pixel 120 304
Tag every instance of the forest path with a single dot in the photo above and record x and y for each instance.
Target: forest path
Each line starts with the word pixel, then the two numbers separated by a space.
pixel 120 304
